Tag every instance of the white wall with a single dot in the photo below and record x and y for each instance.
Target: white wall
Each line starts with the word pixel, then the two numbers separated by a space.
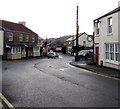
pixel 82 38
pixel 1 42
pixel 119 26
pixel 104 37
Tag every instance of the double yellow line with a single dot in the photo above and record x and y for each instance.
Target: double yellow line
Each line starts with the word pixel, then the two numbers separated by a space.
pixel 5 101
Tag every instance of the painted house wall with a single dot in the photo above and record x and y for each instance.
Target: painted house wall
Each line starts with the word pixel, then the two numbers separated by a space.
pixel 82 38
pixel 1 42
pixel 104 37
pixel 119 25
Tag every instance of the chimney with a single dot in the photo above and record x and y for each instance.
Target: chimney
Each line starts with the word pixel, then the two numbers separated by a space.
pixel 118 3
pixel 23 23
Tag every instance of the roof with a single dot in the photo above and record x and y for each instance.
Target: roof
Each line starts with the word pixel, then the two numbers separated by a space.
pixel 111 12
pixel 71 38
pixel 10 26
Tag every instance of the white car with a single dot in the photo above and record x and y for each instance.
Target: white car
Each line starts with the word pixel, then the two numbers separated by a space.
pixel 52 55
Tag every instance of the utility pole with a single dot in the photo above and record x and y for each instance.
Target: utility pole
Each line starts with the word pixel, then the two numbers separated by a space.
pixel 46 46
pixel 77 29
pixel 73 45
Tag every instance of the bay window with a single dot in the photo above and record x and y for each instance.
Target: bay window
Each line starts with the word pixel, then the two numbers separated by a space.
pixel 112 52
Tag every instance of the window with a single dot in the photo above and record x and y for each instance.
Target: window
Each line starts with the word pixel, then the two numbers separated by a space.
pixel 16 50
pixel 36 49
pixel 10 36
pixel 84 43
pixel 27 38
pixel 98 27
pixel 110 25
pixel 21 37
pixel 33 39
pixel 112 51
pixel 117 52
pixel 107 51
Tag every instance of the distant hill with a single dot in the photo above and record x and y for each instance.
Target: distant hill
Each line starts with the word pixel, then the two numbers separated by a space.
pixel 57 42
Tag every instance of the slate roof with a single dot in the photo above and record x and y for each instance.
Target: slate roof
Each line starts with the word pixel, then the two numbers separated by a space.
pixel 10 26
pixel 109 13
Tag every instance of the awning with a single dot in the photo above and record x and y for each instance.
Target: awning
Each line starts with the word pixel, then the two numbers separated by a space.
pixel 30 45
pixel 7 46
pixel 15 45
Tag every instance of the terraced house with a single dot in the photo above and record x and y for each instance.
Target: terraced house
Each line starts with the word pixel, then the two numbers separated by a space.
pixel 107 39
pixel 19 41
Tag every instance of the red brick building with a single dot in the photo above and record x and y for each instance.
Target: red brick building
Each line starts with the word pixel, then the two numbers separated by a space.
pixel 19 41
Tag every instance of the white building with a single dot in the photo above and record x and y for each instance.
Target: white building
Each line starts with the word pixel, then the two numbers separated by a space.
pixel 107 39
pixel 84 40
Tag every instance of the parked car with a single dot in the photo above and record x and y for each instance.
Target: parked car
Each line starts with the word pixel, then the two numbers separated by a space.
pixel 85 54
pixel 53 55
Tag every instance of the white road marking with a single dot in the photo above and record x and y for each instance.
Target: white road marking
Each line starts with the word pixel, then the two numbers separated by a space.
pixel 92 72
pixel 60 57
pixel 6 101
pixel 61 69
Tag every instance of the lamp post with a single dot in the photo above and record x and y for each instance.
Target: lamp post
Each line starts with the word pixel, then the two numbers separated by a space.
pixel 77 29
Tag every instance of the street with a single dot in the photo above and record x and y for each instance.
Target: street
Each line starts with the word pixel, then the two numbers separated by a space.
pixel 42 82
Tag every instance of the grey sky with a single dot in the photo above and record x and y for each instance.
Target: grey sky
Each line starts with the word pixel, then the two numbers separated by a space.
pixel 55 18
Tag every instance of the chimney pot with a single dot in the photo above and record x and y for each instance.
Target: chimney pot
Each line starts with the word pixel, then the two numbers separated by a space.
pixel 23 23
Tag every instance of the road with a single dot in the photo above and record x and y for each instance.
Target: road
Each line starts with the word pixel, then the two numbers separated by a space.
pixel 54 83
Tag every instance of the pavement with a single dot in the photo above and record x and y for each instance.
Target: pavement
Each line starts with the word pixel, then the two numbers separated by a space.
pixel 100 70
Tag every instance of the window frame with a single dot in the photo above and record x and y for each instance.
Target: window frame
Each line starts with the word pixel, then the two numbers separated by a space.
pixel 110 25
pixel 33 39
pixel 10 36
pixel 27 38
pixel 21 37
pixel 109 52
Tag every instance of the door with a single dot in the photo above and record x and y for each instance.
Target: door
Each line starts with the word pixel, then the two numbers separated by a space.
pixel 97 55
pixel 26 52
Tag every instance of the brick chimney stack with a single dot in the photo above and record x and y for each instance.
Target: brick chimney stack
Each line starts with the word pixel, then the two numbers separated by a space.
pixel 23 23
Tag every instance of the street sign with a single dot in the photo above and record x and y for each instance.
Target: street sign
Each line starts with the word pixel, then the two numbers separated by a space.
pixel 1 42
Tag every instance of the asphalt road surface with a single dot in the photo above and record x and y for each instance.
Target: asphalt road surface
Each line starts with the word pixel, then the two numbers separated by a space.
pixel 54 83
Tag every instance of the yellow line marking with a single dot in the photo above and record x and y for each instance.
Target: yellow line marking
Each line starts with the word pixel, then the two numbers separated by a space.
pixel 93 72
pixel 6 101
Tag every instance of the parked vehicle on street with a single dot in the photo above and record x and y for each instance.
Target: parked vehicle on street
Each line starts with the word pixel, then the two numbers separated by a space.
pixel 53 55
pixel 85 54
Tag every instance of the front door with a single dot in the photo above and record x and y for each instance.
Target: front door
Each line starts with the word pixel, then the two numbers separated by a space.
pixel 97 55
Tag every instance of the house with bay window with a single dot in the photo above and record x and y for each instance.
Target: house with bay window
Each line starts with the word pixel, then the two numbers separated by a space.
pixel 19 41
pixel 107 39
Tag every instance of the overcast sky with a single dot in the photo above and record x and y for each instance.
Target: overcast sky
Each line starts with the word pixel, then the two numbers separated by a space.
pixel 55 18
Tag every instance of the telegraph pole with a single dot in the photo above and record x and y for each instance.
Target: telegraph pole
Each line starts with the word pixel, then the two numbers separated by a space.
pixel 77 29
pixel 46 46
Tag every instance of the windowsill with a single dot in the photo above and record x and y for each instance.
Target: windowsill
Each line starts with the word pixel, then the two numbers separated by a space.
pixel 110 34
pixel 112 62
